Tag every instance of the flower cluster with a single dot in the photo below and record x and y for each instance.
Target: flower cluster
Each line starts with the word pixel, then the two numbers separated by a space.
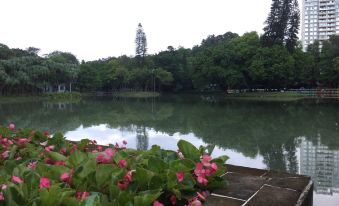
pixel 85 173
pixel 205 169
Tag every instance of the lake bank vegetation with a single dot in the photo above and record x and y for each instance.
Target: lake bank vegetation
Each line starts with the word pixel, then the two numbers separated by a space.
pixel 42 169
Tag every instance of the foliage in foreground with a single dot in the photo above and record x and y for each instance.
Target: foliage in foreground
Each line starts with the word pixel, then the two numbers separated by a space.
pixel 38 169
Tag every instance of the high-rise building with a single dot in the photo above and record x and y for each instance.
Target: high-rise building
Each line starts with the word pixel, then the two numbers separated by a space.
pixel 320 20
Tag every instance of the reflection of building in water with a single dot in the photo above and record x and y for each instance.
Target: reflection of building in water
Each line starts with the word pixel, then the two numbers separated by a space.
pixel 142 138
pixel 322 164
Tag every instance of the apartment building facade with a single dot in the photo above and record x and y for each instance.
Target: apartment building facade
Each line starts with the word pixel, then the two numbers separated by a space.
pixel 320 20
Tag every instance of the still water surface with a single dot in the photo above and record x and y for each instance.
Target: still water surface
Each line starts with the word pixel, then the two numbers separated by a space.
pixel 296 136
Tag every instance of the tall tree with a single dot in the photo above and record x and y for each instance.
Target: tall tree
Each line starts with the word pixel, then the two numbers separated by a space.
pixel 271 30
pixel 293 27
pixel 141 42
pixel 282 24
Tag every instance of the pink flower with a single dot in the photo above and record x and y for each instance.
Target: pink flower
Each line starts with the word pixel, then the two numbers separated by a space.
pixel 214 166
pixel 16 179
pixel 173 200
pixel 5 142
pixel 157 203
pixel 195 203
pixel 124 142
pixel 202 196
pixel 82 195
pixel 5 154
pixel 106 156
pixel 49 148
pixel 22 141
pixel 122 163
pixel 109 152
pixel 45 182
pixel 44 143
pixel 122 184
pixel 128 177
pixel 202 180
pixel 18 158
pixel 103 158
pixel 49 161
pixel 32 165
pixel 63 151
pixel 199 170
pixel 180 176
pixel 60 163
pixel 11 126
pixel 3 186
pixel 2 196
pixel 65 177
pixel 206 160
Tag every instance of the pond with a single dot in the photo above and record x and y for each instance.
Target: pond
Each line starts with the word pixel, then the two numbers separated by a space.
pixel 294 136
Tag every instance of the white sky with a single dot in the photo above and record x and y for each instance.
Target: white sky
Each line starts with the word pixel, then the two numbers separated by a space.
pixel 93 29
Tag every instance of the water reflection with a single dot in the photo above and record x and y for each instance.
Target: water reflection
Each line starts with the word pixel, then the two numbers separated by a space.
pixel 142 138
pixel 254 134
pixel 322 164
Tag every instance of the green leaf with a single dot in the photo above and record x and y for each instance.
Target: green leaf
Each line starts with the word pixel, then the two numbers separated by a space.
pixel 57 156
pixel 221 159
pixel 103 174
pixel 143 177
pixel 92 200
pixel 13 196
pixel 188 150
pixel 146 197
pixel 156 183
pixel 157 165
pixel 71 201
pixel 77 157
pixel 184 165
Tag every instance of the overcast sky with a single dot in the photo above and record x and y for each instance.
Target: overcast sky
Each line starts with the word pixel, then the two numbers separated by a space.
pixel 93 29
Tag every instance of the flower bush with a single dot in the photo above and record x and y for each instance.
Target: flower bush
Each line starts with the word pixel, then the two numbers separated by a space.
pixel 39 169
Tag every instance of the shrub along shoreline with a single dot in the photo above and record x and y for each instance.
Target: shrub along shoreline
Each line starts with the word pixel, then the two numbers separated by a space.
pixel 40 169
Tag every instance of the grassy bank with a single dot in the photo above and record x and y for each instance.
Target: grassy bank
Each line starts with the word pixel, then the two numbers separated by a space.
pixel 269 96
pixel 138 94
pixel 62 96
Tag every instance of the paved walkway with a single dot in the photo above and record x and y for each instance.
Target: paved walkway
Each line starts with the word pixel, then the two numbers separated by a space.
pixel 254 187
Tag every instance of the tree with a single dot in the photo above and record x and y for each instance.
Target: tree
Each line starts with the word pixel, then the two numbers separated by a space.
pixel 272 67
pixel 293 27
pixel 282 24
pixel 33 50
pixel 273 28
pixel 328 63
pixel 141 42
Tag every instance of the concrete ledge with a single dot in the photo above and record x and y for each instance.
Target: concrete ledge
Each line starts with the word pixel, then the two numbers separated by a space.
pixel 255 187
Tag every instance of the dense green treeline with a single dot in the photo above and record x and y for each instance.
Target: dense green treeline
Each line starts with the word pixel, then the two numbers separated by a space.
pixel 221 62
pixel 23 71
